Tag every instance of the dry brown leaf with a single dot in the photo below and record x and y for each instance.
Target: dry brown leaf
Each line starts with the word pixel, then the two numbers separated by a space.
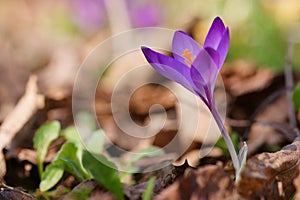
pixel 148 95
pixel 97 193
pixel 261 134
pixel 209 182
pixel 170 193
pixel 192 157
pixel 211 179
pixel 242 77
pixel 297 184
pixel 266 176
pixel 7 193
pixel 270 175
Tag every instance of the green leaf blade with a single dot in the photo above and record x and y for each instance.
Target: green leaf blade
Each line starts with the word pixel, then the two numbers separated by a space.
pixel 51 177
pixel 67 159
pixel 149 189
pixel 222 144
pixel 70 134
pixel 104 172
pixel 95 144
pixel 46 134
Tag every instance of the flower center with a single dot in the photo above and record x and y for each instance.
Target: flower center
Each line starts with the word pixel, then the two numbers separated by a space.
pixel 187 55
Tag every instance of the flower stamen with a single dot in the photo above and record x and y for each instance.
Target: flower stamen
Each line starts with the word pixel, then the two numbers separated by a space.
pixel 187 55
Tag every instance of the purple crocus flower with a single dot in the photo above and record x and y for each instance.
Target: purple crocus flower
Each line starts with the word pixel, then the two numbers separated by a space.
pixel 196 69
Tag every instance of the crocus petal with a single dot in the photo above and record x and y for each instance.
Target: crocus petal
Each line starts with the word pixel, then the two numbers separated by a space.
pixel 215 34
pixel 181 42
pixel 204 71
pixel 223 47
pixel 199 82
pixel 170 68
pixel 214 55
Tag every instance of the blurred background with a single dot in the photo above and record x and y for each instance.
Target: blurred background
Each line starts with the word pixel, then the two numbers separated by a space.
pixel 38 35
pixel 52 38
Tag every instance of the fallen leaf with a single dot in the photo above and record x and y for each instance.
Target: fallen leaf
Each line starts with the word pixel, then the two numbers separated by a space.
pixel 7 193
pixel 297 184
pixel 270 175
pixel 209 182
pixel 261 134
pixel 242 77
pixel 148 95
pixel 89 190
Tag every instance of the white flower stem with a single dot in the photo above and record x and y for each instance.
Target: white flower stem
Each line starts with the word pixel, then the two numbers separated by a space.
pixel 232 152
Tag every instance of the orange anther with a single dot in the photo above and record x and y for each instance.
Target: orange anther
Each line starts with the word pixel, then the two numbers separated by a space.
pixel 187 55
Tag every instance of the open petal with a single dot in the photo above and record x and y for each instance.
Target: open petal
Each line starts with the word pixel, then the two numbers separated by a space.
pixel 170 68
pixel 184 47
pixel 204 71
pixel 223 47
pixel 215 34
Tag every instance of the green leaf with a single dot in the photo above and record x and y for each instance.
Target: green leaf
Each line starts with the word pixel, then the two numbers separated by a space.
pixel 150 151
pixel 82 191
pixel 69 156
pixel 222 144
pixel 73 168
pixel 104 172
pixel 42 139
pixel 51 176
pixel 149 189
pixel 71 134
pixel 86 121
pixel 67 159
pixel 242 156
pixel 95 143
pixel 296 97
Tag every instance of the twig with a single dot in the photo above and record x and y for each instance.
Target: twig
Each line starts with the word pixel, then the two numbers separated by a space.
pixel 2 166
pixel 283 128
pixel 238 122
pixel 25 108
pixel 289 83
pixel 30 102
